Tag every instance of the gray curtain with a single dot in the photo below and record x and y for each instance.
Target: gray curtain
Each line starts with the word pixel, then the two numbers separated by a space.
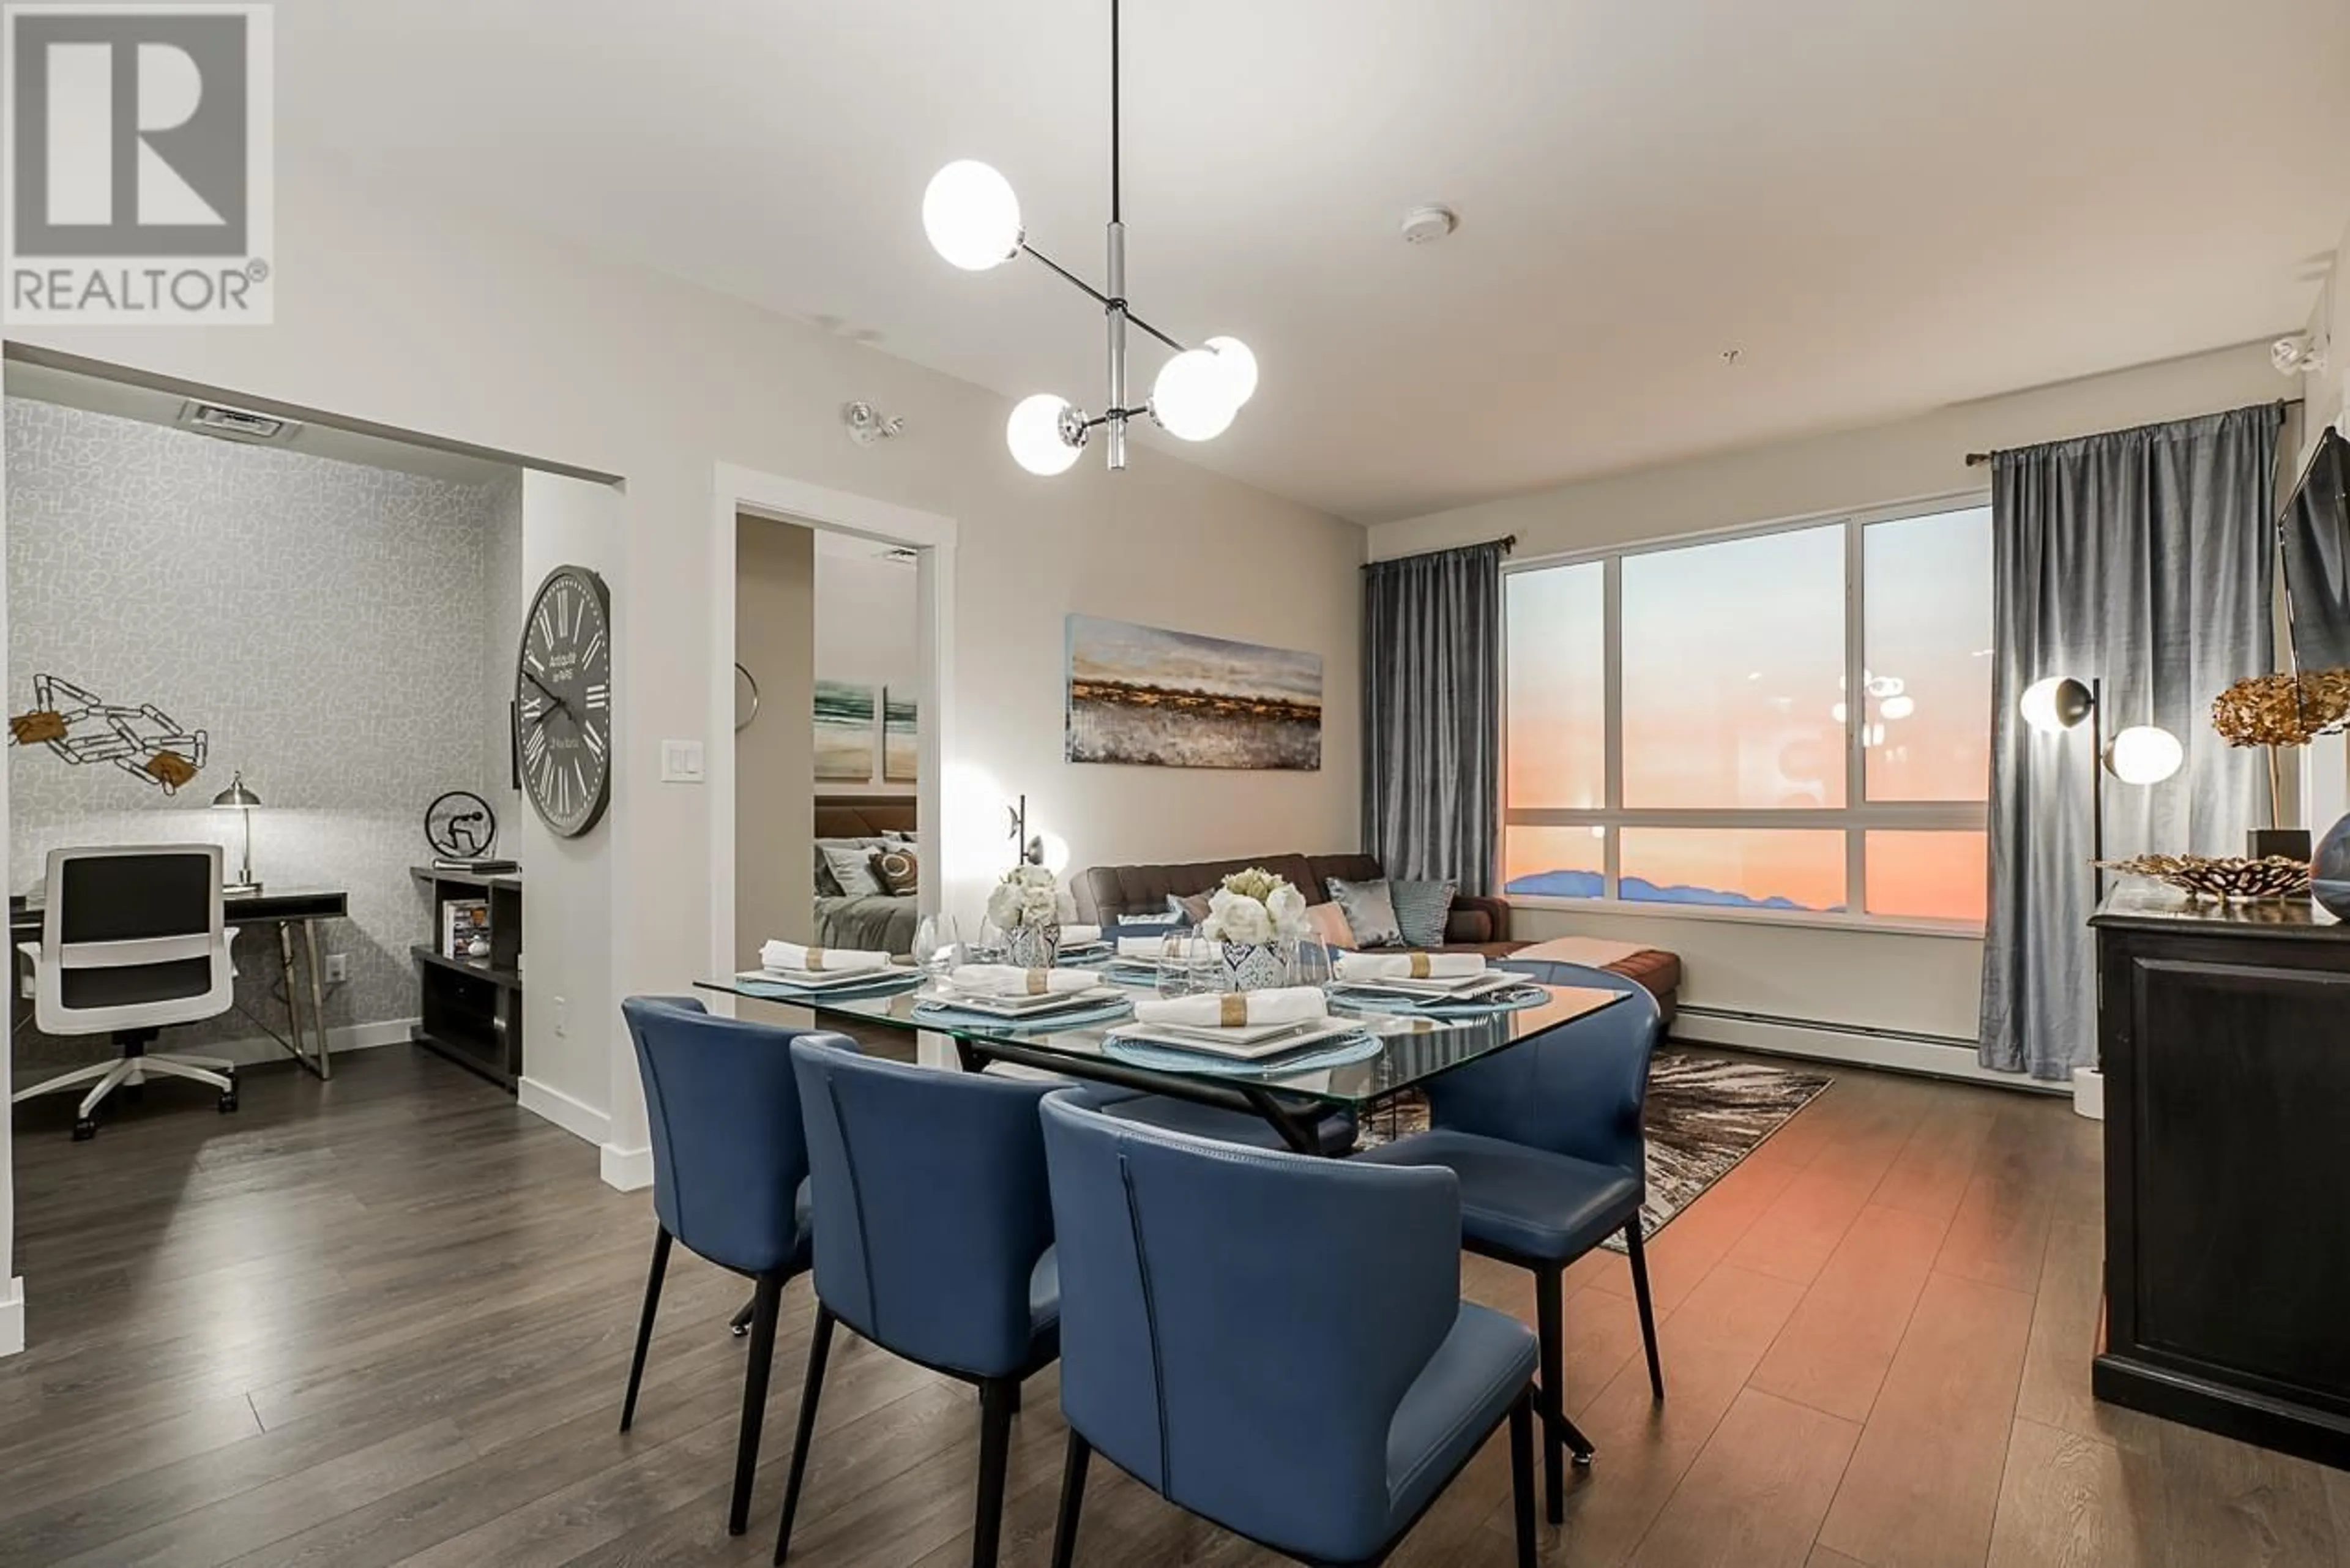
pixel 2144 558
pixel 1432 714
pixel 2316 545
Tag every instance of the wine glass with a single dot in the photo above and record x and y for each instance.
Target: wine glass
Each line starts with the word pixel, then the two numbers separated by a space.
pixel 1179 972
pixel 1310 964
pixel 938 946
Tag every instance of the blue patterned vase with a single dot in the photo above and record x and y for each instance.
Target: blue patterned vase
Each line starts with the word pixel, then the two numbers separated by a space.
pixel 1032 947
pixel 1254 966
pixel 2329 873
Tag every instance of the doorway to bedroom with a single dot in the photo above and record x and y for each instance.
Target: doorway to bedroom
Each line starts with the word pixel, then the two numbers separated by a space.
pixel 828 743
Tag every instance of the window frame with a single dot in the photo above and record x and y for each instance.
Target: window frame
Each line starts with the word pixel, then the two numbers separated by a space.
pixel 1855 819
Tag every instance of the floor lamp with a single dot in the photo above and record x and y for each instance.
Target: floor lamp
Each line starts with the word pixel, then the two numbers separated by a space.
pixel 2140 754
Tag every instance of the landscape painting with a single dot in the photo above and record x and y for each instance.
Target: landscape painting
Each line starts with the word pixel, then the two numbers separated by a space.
pixel 844 733
pixel 1143 695
pixel 902 743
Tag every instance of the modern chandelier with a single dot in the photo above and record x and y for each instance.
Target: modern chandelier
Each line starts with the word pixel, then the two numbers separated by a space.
pixel 973 220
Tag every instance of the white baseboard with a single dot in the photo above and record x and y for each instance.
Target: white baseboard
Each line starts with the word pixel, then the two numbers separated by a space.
pixel 1858 1048
pixel 574 1116
pixel 627 1170
pixel 12 1317
pixel 256 1052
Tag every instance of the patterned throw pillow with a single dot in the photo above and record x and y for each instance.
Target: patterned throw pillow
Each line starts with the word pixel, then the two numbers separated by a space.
pixel 1370 913
pixel 852 870
pixel 1422 909
pixel 899 869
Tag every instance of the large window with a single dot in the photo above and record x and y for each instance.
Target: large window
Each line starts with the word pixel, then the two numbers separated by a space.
pixel 1797 720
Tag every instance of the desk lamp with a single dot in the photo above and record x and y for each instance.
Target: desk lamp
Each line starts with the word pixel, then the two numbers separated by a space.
pixel 238 797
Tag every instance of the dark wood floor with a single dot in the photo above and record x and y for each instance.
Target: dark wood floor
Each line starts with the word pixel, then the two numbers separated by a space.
pixel 386 1321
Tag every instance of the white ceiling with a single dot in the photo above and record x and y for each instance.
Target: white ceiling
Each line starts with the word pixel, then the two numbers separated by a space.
pixel 1885 205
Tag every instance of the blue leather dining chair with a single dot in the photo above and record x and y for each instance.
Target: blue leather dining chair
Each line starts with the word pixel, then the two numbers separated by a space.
pixel 730 1179
pixel 933 1239
pixel 1273 1341
pixel 1546 1138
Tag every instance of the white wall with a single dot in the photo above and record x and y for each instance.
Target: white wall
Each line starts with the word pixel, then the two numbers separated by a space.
pixel 2326 779
pixel 454 326
pixel 867 633
pixel 1922 985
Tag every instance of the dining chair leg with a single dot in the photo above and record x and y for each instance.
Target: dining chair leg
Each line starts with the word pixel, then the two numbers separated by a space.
pixel 653 1277
pixel 766 1301
pixel 1636 1251
pixel 1522 1477
pixel 1073 1498
pixel 1547 1315
pixel 740 1324
pixel 994 1457
pixel 819 1349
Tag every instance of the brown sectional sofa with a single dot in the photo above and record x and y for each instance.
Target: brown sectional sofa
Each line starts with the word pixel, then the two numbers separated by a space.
pixel 1108 893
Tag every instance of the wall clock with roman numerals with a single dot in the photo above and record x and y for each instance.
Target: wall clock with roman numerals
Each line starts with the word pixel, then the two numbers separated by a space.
pixel 563 700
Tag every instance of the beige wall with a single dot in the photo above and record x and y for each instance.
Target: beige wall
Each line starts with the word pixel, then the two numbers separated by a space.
pixel 867 633
pixel 774 759
pixel 453 325
pixel 1913 984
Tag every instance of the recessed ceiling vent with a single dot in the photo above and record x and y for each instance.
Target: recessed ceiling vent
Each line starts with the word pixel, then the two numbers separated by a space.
pixel 237 424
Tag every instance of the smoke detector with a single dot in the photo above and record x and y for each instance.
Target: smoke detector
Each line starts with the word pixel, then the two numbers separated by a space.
pixel 236 424
pixel 1426 225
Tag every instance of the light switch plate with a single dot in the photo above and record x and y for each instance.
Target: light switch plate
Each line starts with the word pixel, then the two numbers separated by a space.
pixel 680 762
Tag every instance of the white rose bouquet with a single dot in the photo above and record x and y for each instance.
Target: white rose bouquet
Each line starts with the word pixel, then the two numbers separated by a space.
pixel 1254 906
pixel 1027 896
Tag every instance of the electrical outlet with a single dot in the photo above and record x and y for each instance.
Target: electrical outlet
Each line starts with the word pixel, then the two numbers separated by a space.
pixel 338 968
pixel 562 1018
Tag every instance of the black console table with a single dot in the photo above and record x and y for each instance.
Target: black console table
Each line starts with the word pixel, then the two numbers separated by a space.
pixel 2226 1041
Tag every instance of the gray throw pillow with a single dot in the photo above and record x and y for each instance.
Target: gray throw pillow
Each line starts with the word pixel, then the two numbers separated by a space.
pixel 852 870
pixel 1423 909
pixel 1194 909
pixel 1370 913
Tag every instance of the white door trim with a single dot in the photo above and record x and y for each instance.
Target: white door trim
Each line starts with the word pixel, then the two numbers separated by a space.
pixel 736 490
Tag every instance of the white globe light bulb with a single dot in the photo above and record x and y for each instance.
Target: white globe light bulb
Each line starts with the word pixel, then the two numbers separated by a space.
pixel 2144 754
pixel 1899 706
pixel 1193 397
pixel 2041 709
pixel 1239 367
pixel 1033 434
pixel 971 215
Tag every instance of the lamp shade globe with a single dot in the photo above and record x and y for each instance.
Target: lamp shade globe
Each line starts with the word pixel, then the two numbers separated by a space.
pixel 1033 434
pixel 1193 397
pixel 2144 754
pixel 971 215
pixel 2054 704
pixel 1239 367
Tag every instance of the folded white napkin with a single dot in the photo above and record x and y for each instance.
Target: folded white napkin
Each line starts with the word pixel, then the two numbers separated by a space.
pixel 1080 936
pixel 1234 1009
pixel 829 960
pixel 1005 980
pixel 1151 949
pixel 1410 966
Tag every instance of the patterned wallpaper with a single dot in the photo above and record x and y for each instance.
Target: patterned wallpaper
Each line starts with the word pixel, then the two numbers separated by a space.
pixel 328 625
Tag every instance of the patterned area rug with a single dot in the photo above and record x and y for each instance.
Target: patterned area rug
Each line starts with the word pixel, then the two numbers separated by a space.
pixel 1704 1115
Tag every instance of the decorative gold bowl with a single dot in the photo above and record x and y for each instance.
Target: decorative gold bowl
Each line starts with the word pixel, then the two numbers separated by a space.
pixel 2230 880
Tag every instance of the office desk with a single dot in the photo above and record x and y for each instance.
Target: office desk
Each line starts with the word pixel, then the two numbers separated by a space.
pixel 288 908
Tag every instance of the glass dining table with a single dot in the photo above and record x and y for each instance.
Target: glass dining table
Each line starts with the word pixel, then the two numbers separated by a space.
pixel 1412 1047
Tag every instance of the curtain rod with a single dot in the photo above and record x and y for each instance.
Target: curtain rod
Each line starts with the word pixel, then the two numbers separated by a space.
pixel 1977 459
pixel 1508 542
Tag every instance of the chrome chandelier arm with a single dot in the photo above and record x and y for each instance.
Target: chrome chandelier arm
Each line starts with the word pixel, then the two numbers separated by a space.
pixel 1097 296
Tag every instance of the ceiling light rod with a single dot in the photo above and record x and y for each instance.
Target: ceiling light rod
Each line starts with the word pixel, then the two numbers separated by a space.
pixel 972 219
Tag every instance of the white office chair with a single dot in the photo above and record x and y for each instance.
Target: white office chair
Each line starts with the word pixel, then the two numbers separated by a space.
pixel 132 941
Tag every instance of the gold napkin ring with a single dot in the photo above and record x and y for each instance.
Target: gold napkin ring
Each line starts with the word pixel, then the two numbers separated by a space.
pixel 1420 966
pixel 815 961
pixel 1232 1010
pixel 1037 984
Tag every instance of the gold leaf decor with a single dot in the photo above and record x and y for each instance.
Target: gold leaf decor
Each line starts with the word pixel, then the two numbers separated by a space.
pixel 2233 880
pixel 2283 710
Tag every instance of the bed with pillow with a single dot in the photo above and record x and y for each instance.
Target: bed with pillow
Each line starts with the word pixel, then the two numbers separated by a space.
pixel 1353 903
pixel 867 869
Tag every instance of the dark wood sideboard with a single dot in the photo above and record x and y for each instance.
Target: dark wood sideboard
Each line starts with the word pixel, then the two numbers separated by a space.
pixel 2226 1041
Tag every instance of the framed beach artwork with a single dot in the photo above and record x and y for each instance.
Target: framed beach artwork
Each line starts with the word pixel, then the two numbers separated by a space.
pixel 901 741
pixel 844 733
pixel 1145 695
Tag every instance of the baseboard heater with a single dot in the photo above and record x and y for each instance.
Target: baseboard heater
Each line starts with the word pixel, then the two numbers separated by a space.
pixel 1859 1044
